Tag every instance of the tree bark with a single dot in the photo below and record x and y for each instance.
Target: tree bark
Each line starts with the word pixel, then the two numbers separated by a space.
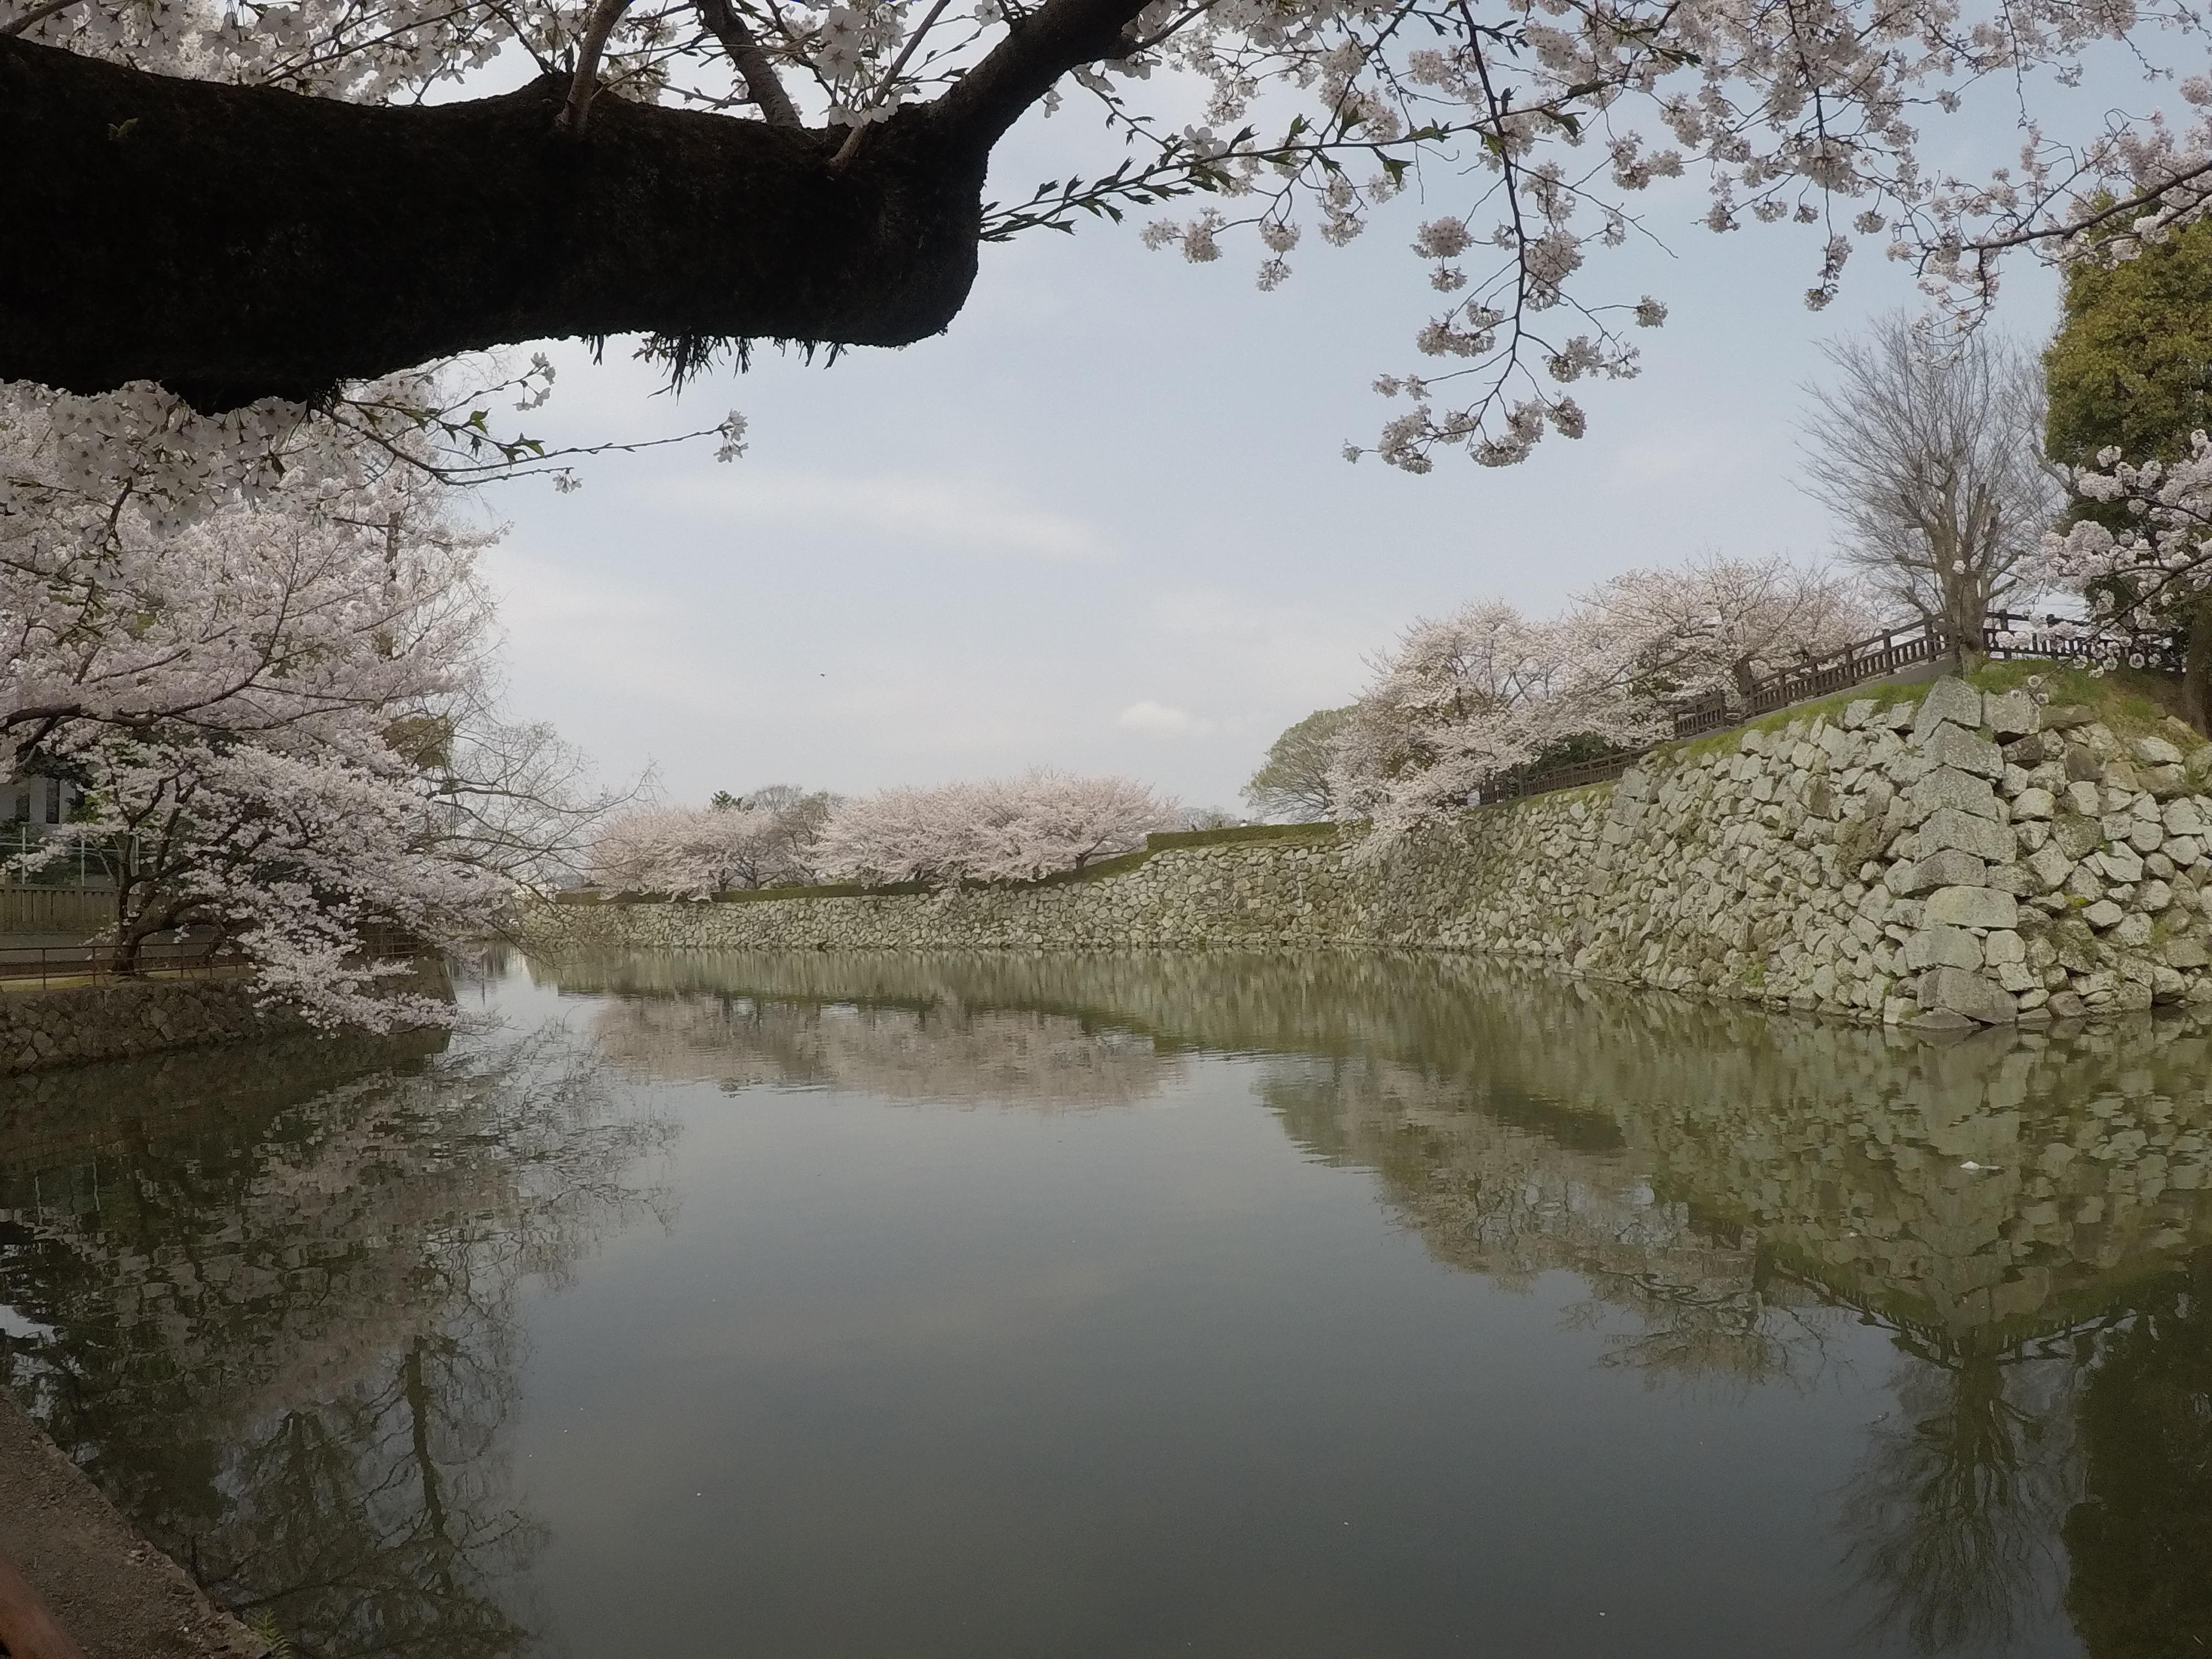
pixel 238 242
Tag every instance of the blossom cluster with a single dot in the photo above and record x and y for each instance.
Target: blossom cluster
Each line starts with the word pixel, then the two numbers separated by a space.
pixel 277 703
pixel 693 851
pixel 2138 575
pixel 1002 829
pixel 1487 692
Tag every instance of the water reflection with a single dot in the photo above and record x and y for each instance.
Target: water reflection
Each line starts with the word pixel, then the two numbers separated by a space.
pixel 939 1053
pixel 2024 1213
pixel 278 1307
pixel 2141 1535
pixel 271 1303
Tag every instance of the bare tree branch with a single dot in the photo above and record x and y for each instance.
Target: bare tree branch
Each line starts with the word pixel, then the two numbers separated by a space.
pixel 1930 454
pixel 751 61
pixel 604 16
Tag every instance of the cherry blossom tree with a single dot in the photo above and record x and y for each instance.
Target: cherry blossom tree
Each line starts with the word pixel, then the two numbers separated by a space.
pixel 1487 692
pixel 764 839
pixel 707 174
pixel 2160 559
pixel 281 716
pixel 1719 624
pixel 1480 693
pixel 1006 830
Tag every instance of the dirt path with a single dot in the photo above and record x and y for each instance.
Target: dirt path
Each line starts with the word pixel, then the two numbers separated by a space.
pixel 116 1593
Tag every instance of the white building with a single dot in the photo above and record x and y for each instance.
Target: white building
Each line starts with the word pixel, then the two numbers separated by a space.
pixel 33 800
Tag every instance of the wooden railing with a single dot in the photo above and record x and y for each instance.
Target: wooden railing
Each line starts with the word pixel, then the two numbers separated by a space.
pixel 2005 635
pixel 1603 769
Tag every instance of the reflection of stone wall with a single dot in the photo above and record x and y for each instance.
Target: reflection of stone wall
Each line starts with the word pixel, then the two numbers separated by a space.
pixel 1951 860
pixel 81 1024
pixel 1837 1149
pixel 943 1053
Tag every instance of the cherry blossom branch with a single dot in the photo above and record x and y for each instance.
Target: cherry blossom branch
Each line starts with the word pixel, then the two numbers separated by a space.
pixel 2150 195
pixel 31 18
pixel 883 86
pixel 752 62
pixel 605 14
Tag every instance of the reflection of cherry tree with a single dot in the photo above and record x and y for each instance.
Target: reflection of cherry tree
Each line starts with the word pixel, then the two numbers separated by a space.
pixel 1733 1189
pixel 288 1352
pixel 1941 1188
pixel 943 1053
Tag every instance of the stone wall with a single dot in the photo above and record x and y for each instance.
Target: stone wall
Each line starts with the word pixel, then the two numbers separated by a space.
pixel 70 1024
pixel 1946 859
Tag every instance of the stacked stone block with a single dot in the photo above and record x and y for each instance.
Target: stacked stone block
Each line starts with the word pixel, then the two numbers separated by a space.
pixel 1969 859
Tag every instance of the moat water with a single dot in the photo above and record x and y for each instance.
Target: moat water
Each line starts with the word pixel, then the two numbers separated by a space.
pixel 999 1308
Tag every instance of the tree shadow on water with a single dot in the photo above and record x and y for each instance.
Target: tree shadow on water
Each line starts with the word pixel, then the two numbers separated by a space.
pixel 1951 1524
pixel 285 1334
pixel 2140 1537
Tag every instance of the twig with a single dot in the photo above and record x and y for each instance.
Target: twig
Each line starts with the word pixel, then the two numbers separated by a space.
pixel 2148 197
pixel 852 139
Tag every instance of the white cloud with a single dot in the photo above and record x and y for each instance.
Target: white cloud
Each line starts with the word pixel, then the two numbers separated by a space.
pixel 1150 716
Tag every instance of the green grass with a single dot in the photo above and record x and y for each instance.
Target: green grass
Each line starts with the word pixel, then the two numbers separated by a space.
pixel 1164 839
pixel 2135 702
pixel 1881 696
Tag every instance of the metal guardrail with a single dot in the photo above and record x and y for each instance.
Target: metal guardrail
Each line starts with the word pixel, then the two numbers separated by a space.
pixel 43 965
pixel 2006 635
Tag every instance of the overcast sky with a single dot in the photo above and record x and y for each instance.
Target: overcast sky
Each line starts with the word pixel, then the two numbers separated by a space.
pixel 1104 524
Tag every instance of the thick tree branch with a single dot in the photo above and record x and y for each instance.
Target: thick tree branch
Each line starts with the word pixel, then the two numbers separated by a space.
pixel 235 242
pixel 1059 36
pixel 752 62
pixel 239 242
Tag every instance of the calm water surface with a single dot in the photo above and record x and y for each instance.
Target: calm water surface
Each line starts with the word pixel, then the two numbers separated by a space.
pixel 1010 1308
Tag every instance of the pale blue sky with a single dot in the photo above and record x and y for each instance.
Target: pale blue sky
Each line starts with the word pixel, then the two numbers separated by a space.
pixel 1103 523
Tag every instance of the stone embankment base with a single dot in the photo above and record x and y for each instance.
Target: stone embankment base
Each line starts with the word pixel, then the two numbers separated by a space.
pixel 116 1595
pixel 126 1019
pixel 71 1025
pixel 1936 854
